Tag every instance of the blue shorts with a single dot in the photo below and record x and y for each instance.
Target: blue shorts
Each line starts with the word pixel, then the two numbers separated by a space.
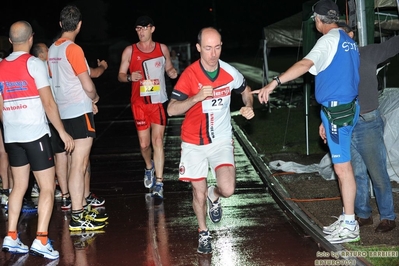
pixel 339 139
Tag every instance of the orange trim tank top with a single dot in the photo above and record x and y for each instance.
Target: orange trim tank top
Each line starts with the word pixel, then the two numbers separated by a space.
pixel 24 118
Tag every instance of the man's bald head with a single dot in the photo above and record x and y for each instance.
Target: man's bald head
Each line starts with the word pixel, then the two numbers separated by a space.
pixel 20 32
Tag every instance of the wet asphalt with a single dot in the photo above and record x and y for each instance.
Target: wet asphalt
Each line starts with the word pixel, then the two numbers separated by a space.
pixel 253 230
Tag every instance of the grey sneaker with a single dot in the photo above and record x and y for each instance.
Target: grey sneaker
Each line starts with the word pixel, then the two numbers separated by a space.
pixel 214 208
pixel 94 201
pixel 343 234
pixel 35 191
pixel 14 246
pixel 204 242
pixel 4 199
pixel 46 251
pixel 328 230
pixel 149 176
pixel 157 191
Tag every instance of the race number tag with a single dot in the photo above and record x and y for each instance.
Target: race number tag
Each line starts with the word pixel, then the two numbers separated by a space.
pixel 149 87
pixel 220 101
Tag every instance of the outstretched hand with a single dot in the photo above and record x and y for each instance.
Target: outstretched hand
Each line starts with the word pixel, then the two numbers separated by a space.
pixel 263 93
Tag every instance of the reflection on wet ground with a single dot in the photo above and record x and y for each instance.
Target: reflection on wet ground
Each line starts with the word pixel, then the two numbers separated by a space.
pixel 253 231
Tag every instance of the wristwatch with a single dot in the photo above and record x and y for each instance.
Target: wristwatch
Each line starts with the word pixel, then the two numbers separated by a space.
pixel 276 78
pixel 129 78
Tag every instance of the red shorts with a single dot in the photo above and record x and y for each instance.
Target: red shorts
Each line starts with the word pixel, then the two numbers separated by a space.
pixel 147 114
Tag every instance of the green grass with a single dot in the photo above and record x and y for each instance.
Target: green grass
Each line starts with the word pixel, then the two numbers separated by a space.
pixel 376 255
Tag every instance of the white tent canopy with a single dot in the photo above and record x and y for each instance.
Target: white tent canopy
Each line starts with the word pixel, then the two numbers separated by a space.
pixel 288 32
pixel 285 33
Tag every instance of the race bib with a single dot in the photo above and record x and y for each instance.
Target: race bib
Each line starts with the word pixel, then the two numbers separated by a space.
pixel 150 87
pixel 220 101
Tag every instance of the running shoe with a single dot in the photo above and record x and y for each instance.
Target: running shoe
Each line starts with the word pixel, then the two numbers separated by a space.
pixel 149 176
pixel 214 208
pixel 35 191
pixel 46 251
pixel 4 199
pixel 157 191
pixel 343 234
pixel 84 223
pixel 94 201
pixel 328 230
pixel 204 242
pixel 66 203
pixel 95 215
pixel 57 194
pixel 14 246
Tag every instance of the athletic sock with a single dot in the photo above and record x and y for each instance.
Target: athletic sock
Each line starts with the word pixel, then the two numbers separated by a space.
pixel 350 221
pixel 77 214
pixel 211 195
pixel 13 234
pixel 43 237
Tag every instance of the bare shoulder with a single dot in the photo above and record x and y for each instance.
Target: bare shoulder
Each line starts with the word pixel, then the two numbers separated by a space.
pixel 164 48
pixel 128 49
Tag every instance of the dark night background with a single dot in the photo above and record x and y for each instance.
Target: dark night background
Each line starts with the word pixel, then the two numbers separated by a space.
pixel 107 22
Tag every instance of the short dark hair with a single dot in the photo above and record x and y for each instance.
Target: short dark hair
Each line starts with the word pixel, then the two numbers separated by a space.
pixel 37 49
pixel 69 18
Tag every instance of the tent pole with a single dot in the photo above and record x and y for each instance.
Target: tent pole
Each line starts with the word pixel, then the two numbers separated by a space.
pixel 265 64
pixel 361 23
pixel 307 97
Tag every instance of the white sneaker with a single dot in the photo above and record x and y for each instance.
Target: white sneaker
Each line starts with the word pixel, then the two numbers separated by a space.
pixel 57 194
pixel 343 234
pixel 41 250
pixel 334 226
pixel 14 246
pixel 35 191
pixel 4 199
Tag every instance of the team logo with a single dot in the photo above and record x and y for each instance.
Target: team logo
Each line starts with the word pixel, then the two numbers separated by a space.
pixel 182 169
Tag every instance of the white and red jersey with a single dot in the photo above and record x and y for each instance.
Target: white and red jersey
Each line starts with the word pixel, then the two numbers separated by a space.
pixel 152 87
pixel 24 118
pixel 66 61
pixel 209 120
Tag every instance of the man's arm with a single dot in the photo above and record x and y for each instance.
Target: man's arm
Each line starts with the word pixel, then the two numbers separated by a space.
pixel 295 71
pixel 88 86
pixel 248 99
pixel 176 107
pixel 52 113
pixel 99 70
pixel 170 70
pixel 124 66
